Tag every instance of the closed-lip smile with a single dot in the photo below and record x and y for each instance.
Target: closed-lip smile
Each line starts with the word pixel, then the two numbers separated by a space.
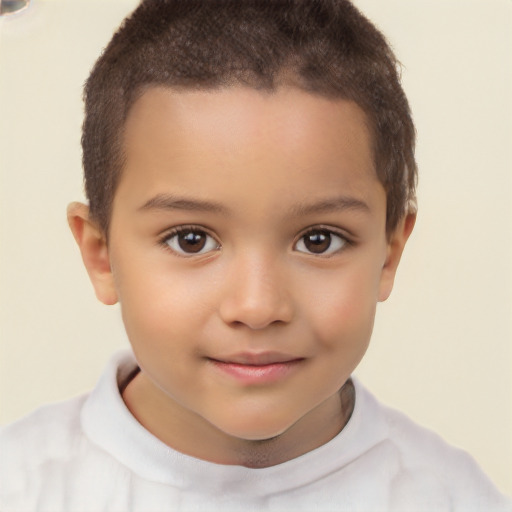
pixel 257 358
pixel 249 368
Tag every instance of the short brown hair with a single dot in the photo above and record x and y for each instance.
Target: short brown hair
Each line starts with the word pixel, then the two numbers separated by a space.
pixel 325 47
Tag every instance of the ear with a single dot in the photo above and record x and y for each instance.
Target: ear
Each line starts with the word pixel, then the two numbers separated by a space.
pixel 396 244
pixel 93 246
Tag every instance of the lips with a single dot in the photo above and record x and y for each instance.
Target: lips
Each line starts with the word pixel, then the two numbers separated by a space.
pixel 257 358
pixel 257 369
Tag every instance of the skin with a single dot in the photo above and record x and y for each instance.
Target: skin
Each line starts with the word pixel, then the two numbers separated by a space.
pixel 258 178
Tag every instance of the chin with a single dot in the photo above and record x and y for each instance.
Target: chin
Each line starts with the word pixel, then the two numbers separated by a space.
pixel 255 430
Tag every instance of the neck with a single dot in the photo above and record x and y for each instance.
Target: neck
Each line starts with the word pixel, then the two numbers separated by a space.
pixel 190 434
pixel 296 441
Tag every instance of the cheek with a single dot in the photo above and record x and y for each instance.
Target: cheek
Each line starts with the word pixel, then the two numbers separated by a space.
pixel 344 309
pixel 161 318
pixel 160 305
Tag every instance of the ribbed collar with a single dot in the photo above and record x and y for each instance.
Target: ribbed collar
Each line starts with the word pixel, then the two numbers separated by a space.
pixel 108 423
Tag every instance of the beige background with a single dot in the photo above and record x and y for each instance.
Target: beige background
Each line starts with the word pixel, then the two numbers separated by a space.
pixel 441 350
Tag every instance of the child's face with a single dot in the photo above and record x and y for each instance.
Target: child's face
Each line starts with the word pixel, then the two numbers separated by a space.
pixel 248 251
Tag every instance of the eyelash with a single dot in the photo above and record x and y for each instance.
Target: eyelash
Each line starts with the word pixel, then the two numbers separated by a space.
pixel 164 241
pixel 343 241
pixel 324 230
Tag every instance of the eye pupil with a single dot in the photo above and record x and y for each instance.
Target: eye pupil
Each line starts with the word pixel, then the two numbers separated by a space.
pixel 318 241
pixel 192 241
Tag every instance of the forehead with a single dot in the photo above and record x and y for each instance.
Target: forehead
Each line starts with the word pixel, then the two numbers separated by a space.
pixel 287 113
pixel 285 140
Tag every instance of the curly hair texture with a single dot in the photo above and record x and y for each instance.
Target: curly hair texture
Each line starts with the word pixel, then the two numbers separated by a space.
pixel 325 47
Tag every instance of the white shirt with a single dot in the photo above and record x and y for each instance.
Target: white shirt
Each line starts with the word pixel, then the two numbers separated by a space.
pixel 90 454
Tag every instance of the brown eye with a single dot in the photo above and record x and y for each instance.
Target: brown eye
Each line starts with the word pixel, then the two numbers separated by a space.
pixel 317 242
pixel 191 242
pixel 320 241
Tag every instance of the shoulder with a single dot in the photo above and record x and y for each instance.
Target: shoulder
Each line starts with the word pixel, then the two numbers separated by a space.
pixel 50 433
pixel 57 448
pixel 421 447
pixel 38 432
pixel 427 465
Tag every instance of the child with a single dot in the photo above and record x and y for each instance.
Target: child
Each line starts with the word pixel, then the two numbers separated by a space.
pixel 250 174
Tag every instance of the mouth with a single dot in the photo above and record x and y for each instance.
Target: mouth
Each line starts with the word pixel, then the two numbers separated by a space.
pixel 261 368
pixel 257 358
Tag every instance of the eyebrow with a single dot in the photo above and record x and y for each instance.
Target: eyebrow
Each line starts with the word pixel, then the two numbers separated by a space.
pixel 167 202
pixel 171 202
pixel 339 203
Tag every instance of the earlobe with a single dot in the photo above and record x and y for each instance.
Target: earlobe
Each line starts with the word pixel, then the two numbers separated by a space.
pixel 94 249
pixel 395 248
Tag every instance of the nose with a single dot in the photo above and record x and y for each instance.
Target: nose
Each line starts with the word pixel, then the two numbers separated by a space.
pixel 256 295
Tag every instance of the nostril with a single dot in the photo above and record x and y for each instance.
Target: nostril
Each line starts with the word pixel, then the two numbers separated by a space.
pixel 238 324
